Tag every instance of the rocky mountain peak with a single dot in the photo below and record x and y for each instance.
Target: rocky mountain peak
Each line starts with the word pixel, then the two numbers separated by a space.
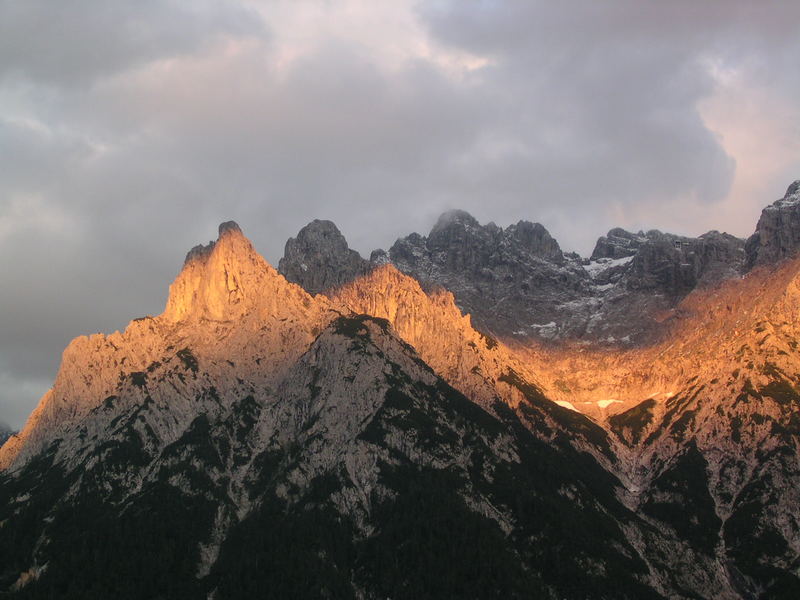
pixel 319 258
pixel 455 229
pixel 320 233
pixel 202 251
pixel 500 276
pixel 777 234
pixel 458 235
pixel 220 280
pixel 618 243
pixel 228 306
pixel 675 265
pixel 792 195
pixel 457 217
pixel 229 227
pixel 536 239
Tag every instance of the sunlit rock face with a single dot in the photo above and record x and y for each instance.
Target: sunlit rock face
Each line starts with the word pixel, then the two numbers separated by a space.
pixel 432 324
pixel 227 280
pixel 477 365
pixel 227 310
pixel 707 422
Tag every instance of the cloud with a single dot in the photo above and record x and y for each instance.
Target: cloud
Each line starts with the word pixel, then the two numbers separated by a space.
pixel 129 130
pixel 74 42
pixel 613 107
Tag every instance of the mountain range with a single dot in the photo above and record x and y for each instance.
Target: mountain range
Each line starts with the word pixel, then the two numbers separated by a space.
pixel 472 413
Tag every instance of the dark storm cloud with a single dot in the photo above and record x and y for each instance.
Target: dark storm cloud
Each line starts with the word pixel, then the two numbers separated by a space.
pixel 600 97
pixel 604 100
pixel 128 131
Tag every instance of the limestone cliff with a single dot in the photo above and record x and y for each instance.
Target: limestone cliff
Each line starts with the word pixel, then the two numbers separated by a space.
pixel 777 234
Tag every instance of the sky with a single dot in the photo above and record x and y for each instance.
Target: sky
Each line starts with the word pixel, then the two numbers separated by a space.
pixel 129 130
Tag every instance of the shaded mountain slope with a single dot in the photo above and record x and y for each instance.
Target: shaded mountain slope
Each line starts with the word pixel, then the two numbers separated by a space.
pixel 363 474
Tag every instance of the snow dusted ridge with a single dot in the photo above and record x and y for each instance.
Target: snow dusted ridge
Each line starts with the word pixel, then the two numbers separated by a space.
pixel 596 267
pixel 791 199
pixel 517 282
pixel 777 234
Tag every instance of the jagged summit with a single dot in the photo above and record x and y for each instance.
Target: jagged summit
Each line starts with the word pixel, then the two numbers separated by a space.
pixel 509 279
pixel 228 305
pixel 618 243
pixel 201 251
pixel 536 239
pixel 455 217
pixel 219 280
pixel 517 283
pixel 319 258
pixel 792 195
pixel 228 280
pixel 460 227
pixel 777 234
pixel 229 227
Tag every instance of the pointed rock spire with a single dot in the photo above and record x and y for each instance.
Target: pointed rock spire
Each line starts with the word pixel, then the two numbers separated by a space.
pixel 319 258
pixel 221 280
pixel 777 234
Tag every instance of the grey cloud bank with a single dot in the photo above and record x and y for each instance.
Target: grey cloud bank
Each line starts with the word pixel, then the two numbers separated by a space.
pixel 129 131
